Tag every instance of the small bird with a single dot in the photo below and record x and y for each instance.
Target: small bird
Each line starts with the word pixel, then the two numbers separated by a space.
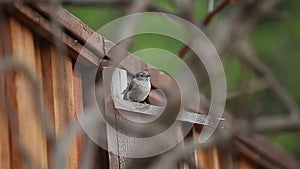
pixel 138 88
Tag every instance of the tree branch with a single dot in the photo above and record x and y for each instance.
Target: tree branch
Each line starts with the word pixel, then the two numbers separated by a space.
pixel 205 22
pixel 247 56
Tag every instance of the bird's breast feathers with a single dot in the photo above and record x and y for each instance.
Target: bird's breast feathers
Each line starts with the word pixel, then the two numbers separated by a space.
pixel 143 86
pixel 138 90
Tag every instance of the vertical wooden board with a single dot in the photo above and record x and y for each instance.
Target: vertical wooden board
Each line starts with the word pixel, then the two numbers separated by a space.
pixel 4 128
pixel 208 158
pixel 46 77
pixel 59 93
pixel 215 158
pixel 73 153
pixel 100 156
pixel 205 158
pixel 29 126
pixel 38 65
pixel 60 98
pixel 46 63
pixel 125 145
pixel 78 104
pixel 112 138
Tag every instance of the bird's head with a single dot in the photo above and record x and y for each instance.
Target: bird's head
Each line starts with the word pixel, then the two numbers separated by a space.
pixel 142 75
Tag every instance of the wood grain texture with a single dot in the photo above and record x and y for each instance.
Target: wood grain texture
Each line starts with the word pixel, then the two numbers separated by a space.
pixel 30 133
pixel 10 99
pixel 59 92
pixel 78 104
pixel 69 85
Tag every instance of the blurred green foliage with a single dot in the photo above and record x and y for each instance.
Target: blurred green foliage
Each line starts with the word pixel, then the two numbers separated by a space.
pixel 276 39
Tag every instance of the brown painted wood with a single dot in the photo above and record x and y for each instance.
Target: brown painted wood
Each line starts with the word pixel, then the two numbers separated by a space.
pixel 30 132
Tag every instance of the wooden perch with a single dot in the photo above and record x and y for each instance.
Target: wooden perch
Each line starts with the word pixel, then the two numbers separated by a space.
pixel 152 110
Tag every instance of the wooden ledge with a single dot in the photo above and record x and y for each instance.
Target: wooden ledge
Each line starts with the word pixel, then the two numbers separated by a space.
pixel 185 116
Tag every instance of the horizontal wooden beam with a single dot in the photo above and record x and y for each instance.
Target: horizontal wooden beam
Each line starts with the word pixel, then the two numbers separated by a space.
pixel 73 25
pixel 186 116
pixel 53 33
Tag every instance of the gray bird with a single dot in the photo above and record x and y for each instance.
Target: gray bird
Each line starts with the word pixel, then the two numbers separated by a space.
pixel 138 88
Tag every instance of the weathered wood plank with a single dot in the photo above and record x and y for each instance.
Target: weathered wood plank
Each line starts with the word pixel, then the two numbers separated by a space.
pixel 28 123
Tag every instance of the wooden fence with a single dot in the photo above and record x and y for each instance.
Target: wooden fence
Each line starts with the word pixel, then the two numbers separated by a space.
pixel 47 41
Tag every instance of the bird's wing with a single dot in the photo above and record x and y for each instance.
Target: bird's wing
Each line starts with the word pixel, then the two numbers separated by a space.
pixel 125 90
pixel 129 86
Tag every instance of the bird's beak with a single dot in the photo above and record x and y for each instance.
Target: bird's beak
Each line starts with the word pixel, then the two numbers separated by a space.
pixel 148 75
